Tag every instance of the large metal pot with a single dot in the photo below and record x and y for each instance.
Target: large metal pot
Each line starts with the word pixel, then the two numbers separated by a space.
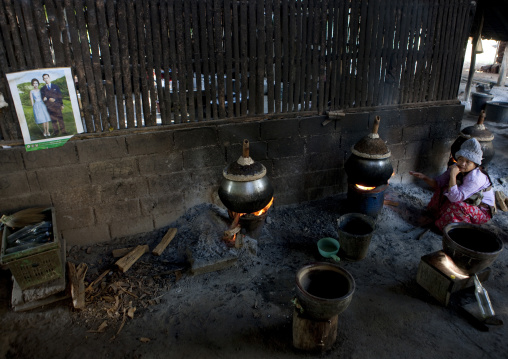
pixel 369 164
pixel 245 187
pixel 482 134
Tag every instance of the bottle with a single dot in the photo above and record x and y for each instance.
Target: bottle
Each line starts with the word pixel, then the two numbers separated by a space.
pixel 483 299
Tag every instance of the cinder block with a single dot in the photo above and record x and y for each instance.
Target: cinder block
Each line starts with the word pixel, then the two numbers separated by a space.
pixel 196 137
pixel 115 211
pixel 415 133
pixel 324 143
pixel 414 116
pixel 148 143
pixel 323 178
pixel 279 129
pixel 285 184
pixel 55 179
pixel 168 183
pixel 234 133
pixel 120 168
pixel 285 198
pixel 74 198
pixel 286 148
pixel 442 147
pixel 123 190
pixel 314 126
pixel 204 157
pixel 10 205
pixel 444 130
pixel 161 205
pixel 418 149
pixel 101 149
pixel 160 163
pixel 388 119
pixel 257 151
pixel 164 220
pixel 391 135
pixel 288 166
pixel 398 151
pixel 323 192
pixel 54 157
pixel 354 123
pixel 75 218
pixel 323 161
pixel 33 181
pixel 86 235
pixel 13 183
pixel 11 159
pixel 128 228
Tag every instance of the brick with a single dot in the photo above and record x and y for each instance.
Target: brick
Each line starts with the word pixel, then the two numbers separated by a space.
pixel 101 149
pixel 323 178
pixel 285 198
pixel 122 228
pixel 314 126
pixel 415 133
pixel 325 143
pixel 196 137
pixel 55 179
pixel 174 182
pixel 257 151
pixel 17 202
pixel 418 149
pixel 391 135
pixel 106 171
pixel 164 220
pixel 161 205
pixel 388 119
pixel 293 183
pixel 33 181
pixel 86 235
pixel 398 151
pixel 442 147
pixel 414 116
pixel 74 218
pixel 324 161
pixel 354 123
pixel 123 190
pixel 11 159
pixel 148 143
pixel 444 129
pixel 347 140
pixel 323 192
pixel 127 209
pixel 200 194
pixel 286 148
pixel 279 129
pixel 54 157
pixel 288 166
pixel 13 183
pixel 204 157
pixel 235 133
pixel 74 198
pixel 160 163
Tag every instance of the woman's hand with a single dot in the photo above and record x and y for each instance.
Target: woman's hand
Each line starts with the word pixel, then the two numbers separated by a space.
pixel 417 175
pixel 454 171
pixel 430 181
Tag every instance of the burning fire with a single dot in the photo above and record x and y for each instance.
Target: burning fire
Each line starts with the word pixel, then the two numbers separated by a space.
pixel 264 210
pixel 364 188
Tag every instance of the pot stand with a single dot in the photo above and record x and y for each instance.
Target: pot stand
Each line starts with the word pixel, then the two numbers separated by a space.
pixel 314 334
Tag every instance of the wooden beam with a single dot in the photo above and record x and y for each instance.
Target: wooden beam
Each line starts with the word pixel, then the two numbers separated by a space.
pixel 502 71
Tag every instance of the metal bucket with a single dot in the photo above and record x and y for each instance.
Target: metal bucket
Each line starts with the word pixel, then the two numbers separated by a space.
pixel 355 232
pixel 478 101
pixel 496 111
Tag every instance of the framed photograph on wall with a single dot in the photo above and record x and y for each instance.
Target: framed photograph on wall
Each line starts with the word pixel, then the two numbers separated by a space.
pixel 46 105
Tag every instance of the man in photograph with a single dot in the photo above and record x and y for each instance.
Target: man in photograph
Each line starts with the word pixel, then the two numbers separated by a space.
pixel 52 97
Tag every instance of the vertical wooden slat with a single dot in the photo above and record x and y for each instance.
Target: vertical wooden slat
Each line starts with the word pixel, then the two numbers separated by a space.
pixel 127 74
pixel 315 55
pixel 344 19
pixel 353 43
pixel 334 60
pixel 16 57
pixel 133 50
pixel 189 61
pixel 277 34
pixel 449 53
pixel 204 57
pixel 440 35
pixel 429 51
pixel 63 30
pixel 115 54
pixel 309 18
pixel 252 57
pixel 374 89
pixel 198 60
pixel 418 87
pixel 464 34
pixel 407 71
pixel 285 54
pixel 260 57
pixel 151 117
pixel 413 52
pixel 443 50
pixel 175 68
pixel 269 55
pixel 219 52
pixel 27 51
pixel 237 38
pixel 166 110
pixel 362 78
pixel 327 58
pixel 228 44
pixel 33 43
pixel 300 52
pixel 322 73
pixel 56 35
pixel 143 74
pixel 106 62
pixel 42 34
pixel 401 50
pixel 155 11
pixel 292 55
pixel 456 70
pixel 211 50
pixel 392 21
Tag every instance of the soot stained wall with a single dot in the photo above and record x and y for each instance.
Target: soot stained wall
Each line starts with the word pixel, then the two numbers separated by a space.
pixel 110 187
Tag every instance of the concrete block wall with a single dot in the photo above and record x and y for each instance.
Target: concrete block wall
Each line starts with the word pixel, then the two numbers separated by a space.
pixel 109 187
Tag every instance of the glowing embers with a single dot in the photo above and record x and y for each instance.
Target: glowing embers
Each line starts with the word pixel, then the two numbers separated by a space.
pixel 364 188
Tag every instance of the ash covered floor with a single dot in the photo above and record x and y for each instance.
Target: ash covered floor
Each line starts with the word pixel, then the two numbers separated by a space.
pixel 245 310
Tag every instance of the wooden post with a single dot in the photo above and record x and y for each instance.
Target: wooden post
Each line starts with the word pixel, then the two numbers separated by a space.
pixel 128 260
pixel 313 334
pixel 502 71
pixel 476 38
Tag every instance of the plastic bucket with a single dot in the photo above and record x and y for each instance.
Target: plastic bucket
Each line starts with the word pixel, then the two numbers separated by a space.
pixel 355 232
pixel 496 111
pixel 478 101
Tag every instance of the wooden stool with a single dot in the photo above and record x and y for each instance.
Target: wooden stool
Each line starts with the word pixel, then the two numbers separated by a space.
pixel 314 334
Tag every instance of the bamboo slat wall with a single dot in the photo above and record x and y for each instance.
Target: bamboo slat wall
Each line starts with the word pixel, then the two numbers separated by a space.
pixel 147 62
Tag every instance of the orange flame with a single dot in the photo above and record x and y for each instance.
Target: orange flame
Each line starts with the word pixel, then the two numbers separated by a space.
pixel 364 188
pixel 264 210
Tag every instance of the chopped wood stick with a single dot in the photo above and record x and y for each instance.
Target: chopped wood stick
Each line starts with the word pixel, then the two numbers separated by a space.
pixel 144 340
pixel 391 203
pixel 120 252
pixel 130 258
pixel 121 324
pixel 129 293
pixel 101 328
pixel 77 284
pixel 97 281
pixel 168 237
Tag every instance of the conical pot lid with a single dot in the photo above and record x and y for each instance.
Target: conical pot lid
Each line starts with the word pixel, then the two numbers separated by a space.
pixel 371 146
pixel 244 169
pixel 478 131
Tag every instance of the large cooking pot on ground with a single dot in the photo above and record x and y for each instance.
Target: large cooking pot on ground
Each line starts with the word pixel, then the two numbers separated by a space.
pixel 482 134
pixel 245 187
pixel 369 164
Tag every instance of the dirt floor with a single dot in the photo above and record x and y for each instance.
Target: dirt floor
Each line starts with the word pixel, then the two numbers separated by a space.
pixel 245 310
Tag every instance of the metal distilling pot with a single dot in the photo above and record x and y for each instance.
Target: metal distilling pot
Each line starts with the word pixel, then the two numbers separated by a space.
pixel 245 187
pixel 480 132
pixel 369 164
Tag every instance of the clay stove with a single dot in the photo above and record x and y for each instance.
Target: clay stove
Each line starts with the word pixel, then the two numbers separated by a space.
pixel 247 193
pixel 368 170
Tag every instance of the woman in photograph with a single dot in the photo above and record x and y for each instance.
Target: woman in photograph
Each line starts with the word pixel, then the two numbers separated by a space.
pixel 41 114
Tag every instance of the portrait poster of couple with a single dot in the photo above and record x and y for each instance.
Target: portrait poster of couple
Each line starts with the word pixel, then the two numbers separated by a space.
pixel 46 105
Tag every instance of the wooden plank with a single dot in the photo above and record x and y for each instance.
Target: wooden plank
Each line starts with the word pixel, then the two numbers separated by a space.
pixel 42 34
pixel 143 74
pixel 204 56
pixel 309 19
pixel 391 19
pixel 228 45
pixel 446 41
pixel 445 78
pixel 327 57
pixel 64 31
pixel 334 60
pixel 374 78
pixel 353 41
pixel 252 57
pixel 292 55
pixel 151 117
pixel 459 49
pixel 54 32
pixel 237 38
pixel 23 34
pixel 125 66
pixel 408 70
pixel 219 53
pixel 260 57
pixel 269 55
pixel 277 35
pixel 130 258
pixel 422 73
pixel 104 46
pixel 164 19
pixel 343 26
pixel 211 50
pixel 442 28
pixel 155 11
pixel 401 51
pixel 168 237
pixel 465 36
pixel 33 42
pixel 188 61
pixel 362 77
pixel 198 60
pixel 175 68
pixel 321 70
pixel 415 54
pixel 133 49
pixel 77 284
pixel 9 45
pixel 300 54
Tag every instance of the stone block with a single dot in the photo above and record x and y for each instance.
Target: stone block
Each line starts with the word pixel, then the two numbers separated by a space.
pixel 415 133
pixel 164 220
pixel 279 129
pixel 148 143
pixel 324 143
pixel 123 190
pixel 204 157
pixel 160 163
pixel 86 235
pixel 418 149
pixel 10 205
pixel 13 183
pixel 323 192
pixel 234 133
pixel 323 178
pixel 288 166
pixel 127 209
pixel 54 157
pixel 323 161
pixel 414 116
pixel 75 218
pixel 286 148
pixel 310 126
pixel 33 181
pixel 120 168
pixel 58 178
pixel 74 198
pixel 391 135
pixel 285 184
pixel 285 198
pixel 398 151
pixel 196 137
pixel 444 130
pixel 122 228
pixel 162 184
pixel 354 123
pixel 11 159
pixel 388 119
pixel 160 205
pixel 257 151
pixel 101 149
